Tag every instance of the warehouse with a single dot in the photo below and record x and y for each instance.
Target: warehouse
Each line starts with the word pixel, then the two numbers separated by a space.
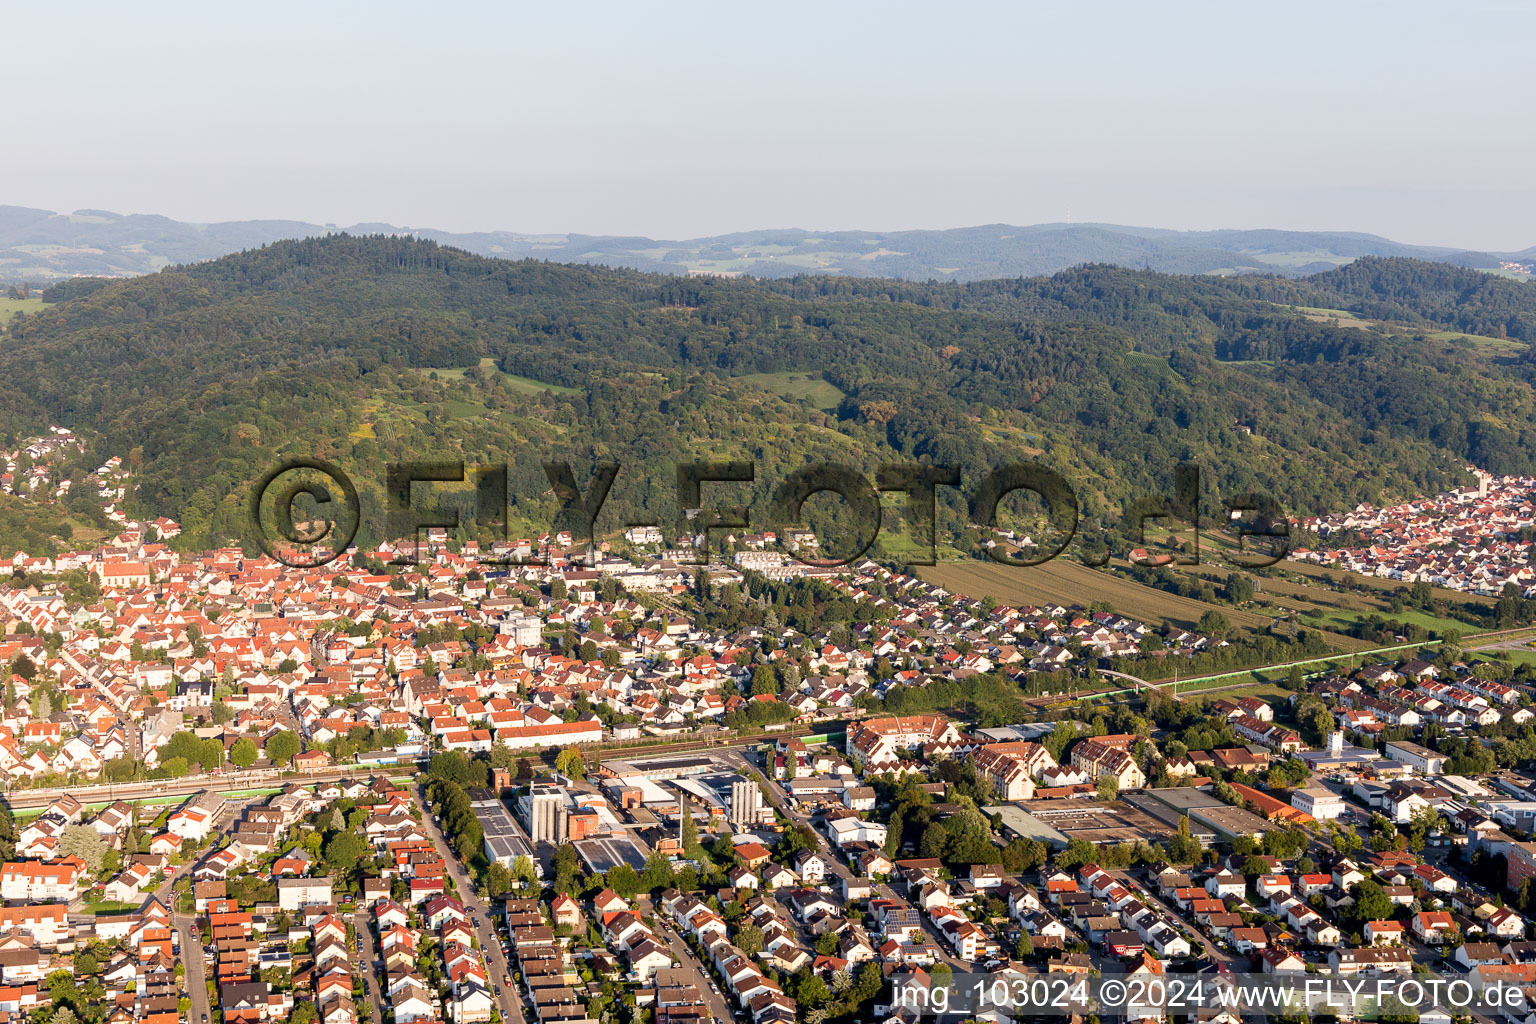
pixel 504 841
pixel 1232 822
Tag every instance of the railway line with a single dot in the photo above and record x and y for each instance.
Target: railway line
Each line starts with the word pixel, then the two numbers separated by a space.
pixel 271 778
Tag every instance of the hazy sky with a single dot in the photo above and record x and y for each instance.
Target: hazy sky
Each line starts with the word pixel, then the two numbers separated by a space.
pixel 1411 120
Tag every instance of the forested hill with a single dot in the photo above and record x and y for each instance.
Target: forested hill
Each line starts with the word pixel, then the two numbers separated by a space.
pixel 40 246
pixel 371 349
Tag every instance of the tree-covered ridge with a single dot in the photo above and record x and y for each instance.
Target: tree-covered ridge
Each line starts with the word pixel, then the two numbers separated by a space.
pixel 1417 292
pixel 54 246
pixel 329 346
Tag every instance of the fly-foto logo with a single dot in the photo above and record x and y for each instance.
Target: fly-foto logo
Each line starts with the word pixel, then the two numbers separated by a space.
pixel 339 512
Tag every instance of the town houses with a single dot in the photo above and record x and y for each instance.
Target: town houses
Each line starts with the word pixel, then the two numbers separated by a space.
pixel 835 799
pixel 1470 539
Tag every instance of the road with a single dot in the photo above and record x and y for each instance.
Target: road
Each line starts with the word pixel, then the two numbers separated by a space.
pixel 714 998
pixel 508 999
pixel 131 731
pixel 232 815
pixel 192 959
pixel 191 949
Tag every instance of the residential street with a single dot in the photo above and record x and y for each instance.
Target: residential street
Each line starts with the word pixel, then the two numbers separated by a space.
pixel 368 962
pixel 196 982
pixel 191 950
pixel 507 997
pixel 678 946
pixel 1149 896
pixel 835 865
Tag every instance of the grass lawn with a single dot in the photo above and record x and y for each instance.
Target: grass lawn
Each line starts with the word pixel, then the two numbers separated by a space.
pixel 524 384
pixel 899 544
pixel 10 307
pixel 84 531
pixel 796 385
pixel 1249 679
pixel 1514 657
pixel 1480 342
pixel 1264 691
pixel 1308 590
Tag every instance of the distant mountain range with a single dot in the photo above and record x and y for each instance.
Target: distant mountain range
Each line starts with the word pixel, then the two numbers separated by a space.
pixel 38 246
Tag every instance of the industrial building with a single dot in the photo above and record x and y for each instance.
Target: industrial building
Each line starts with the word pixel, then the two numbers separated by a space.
pixel 746 803
pixel 504 841
pixel 1426 761
pixel 543 808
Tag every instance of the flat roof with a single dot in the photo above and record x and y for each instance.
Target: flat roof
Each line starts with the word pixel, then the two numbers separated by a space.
pixel 1097 821
pixel 1025 825
pixel 1233 821
pixel 1349 756
pixel 1149 801
pixel 1022 731
pixel 503 839
pixel 1461 785
pixel 651 792
pixel 607 853
pixel 1183 798
pixel 714 788
pixel 666 767
pixel 495 817
pixel 1409 747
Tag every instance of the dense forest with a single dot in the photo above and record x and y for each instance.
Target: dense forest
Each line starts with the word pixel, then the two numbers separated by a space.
pixel 365 350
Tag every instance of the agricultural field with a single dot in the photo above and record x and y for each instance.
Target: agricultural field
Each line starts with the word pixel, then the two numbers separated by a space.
pixel 900 545
pixel 1069 583
pixel 1327 598
pixel 1492 347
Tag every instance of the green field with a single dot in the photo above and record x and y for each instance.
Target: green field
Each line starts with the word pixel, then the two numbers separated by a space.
pixel 1335 620
pixel 1244 686
pixel 1329 599
pixel 1324 313
pixel 1480 342
pixel 1069 583
pixel 1298 258
pixel 1514 656
pixel 525 384
pixel 798 386
pixel 10 307
pixel 895 540
pixel 1066 582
